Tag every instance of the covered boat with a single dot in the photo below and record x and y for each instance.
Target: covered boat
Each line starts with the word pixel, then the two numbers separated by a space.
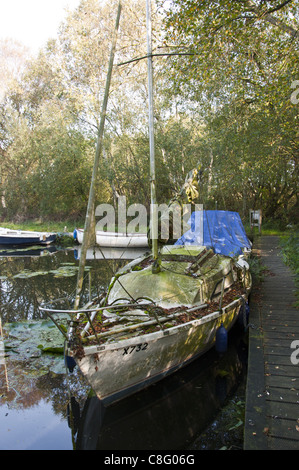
pixel 23 237
pixel 220 230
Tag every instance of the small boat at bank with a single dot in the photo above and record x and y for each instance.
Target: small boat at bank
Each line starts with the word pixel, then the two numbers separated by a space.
pixel 23 237
pixel 149 324
pixel 115 239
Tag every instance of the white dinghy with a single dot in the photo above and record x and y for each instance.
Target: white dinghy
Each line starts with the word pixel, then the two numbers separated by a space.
pixel 115 239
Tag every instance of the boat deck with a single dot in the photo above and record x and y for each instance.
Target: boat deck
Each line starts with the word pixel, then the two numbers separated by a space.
pixel 272 398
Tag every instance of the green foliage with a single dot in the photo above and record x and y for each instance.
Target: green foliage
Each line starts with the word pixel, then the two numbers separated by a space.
pixel 227 107
pixel 290 247
pixel 290 253
pixel 245 61
pixel 257 269
pixel 28 338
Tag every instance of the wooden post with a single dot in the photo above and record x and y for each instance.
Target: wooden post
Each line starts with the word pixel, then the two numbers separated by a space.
pixel 91 200
pixel 153 215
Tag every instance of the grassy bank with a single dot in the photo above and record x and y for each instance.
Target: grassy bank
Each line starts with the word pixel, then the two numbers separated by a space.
pixel 290 253
pixel 44 226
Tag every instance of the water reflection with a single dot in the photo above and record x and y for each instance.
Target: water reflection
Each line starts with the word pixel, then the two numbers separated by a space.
pixel 166 416
pixel 111 253
pixel 33 276
pixel 12 252
pixel 32 407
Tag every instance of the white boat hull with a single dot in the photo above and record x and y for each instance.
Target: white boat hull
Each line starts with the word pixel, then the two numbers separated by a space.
pixel 117 240
pixel 121 368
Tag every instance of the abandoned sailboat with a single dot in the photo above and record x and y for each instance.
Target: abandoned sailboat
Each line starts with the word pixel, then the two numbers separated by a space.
pixel 161 311
pixel 153 324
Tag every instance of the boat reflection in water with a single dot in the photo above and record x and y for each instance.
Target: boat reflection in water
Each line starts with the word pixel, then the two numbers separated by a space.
pixel 168 415
pixel 27 252
pixel 110 253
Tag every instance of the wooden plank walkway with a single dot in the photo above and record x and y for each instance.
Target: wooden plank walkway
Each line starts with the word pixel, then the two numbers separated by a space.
pixel 272 395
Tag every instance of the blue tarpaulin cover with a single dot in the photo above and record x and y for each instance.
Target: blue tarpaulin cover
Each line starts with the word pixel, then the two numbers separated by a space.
pixel 222 231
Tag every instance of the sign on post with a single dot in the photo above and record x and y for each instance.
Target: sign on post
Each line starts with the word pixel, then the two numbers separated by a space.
pixel 255 218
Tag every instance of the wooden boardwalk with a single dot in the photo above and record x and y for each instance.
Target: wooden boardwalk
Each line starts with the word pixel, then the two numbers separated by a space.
pixel 272 396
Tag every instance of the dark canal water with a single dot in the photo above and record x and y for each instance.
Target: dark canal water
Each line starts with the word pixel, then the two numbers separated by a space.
pixel 43 407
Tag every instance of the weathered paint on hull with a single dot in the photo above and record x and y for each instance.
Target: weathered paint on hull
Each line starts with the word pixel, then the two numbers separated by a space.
pixel 120 369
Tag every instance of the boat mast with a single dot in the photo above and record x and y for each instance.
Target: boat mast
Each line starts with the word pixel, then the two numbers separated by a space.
pixel 153 211
pixel 90 208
